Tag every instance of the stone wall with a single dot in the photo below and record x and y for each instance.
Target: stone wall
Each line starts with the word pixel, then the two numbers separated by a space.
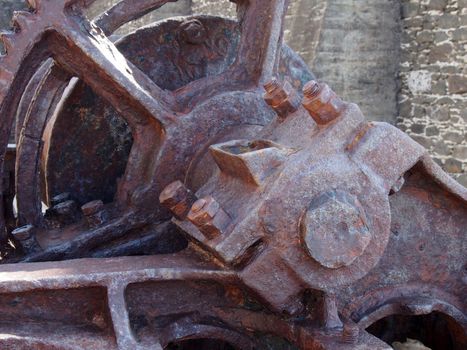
pixel 433 75
pixel 351 44
pixel 358 54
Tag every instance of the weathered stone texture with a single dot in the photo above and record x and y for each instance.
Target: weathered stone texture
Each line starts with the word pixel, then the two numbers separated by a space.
pixel 433 75
pixel 358 54
pixel 351 44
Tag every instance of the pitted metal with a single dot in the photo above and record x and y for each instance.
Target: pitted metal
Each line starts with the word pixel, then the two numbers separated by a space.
pixel 335 229
pixel 296 223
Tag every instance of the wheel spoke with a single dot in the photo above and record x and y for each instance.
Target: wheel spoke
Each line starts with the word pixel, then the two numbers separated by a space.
pixel 126 11
pixel 258 55
pixel 260 49
pixel 85 51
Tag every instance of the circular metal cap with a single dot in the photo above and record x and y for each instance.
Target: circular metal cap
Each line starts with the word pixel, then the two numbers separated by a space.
pixel 335 230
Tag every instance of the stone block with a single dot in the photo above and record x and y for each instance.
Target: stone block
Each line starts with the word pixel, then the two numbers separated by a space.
pixel 438 87
pixel 464 115
pixel 431 131
pixel 454 136
pixel 425 36
pixel 419 81
pixel 448 20
pixel 457 84
pixel 460 34
pixel 462 179
pixel 453 166
pixel 441 53
pixel 460 152
pixel 441 148
pixel 422 140
pixel 437 4
pixel 417 128
pixel 440 37
pixel 405 109
pixel 409 9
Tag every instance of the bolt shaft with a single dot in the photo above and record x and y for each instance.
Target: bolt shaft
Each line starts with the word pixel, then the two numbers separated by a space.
pixel 350 333
pixel 311 89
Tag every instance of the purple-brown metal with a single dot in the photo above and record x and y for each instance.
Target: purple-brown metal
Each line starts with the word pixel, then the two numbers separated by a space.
pixel 296 223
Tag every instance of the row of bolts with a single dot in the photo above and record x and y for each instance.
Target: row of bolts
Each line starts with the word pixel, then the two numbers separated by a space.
pixel 281 97
pixel 323 106
pixel 66 208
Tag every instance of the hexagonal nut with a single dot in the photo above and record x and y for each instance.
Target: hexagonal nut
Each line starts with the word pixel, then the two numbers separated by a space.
pixel 283 98
pixel 25 236
pixel 275 93
pixel 178 199
pixel 23 233
pixel 321 102
pixel 64 213
pixel 208 216
pixel 334 229
pixel 60 198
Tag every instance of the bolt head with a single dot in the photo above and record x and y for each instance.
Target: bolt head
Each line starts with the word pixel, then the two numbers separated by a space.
pixel 281 97
pixel 60 198
pixel 204 210
pixel 193 32
pixel 208 216
pixel 66 208
pixel 23 233
pixel 178 199
pixel 321 102
pixel 335 230
pixel 92 208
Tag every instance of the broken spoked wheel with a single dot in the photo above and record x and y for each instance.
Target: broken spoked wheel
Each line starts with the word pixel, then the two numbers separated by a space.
pixel 151 120
pixel 204 195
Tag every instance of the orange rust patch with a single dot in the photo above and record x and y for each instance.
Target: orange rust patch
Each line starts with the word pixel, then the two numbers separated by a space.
pixel 360 134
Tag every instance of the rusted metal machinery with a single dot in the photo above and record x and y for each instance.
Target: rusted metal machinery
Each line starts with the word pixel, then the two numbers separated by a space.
pixel 191 186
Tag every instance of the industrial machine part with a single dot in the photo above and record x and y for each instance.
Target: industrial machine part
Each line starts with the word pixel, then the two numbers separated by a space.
pixel 191 186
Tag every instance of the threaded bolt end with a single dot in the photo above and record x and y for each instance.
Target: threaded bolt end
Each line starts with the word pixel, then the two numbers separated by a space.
pixel 311 89
pixel 272 85
pixel 198 205
pixel 350 333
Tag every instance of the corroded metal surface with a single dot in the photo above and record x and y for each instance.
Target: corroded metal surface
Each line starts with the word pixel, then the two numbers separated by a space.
pixel 274 214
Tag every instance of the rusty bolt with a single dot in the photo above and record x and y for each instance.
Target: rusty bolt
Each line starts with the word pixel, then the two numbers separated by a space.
pixel 94 212
pixel 334 229
pixel 209 217
pixel 66 208
pixel 321 102
pixel 26 238
pixel 350 333
pixel 65 212
pixel 198 205
pixel 93 207
pixel 283 98
pixel 60 198
pixel 193 32
pixel 178 199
